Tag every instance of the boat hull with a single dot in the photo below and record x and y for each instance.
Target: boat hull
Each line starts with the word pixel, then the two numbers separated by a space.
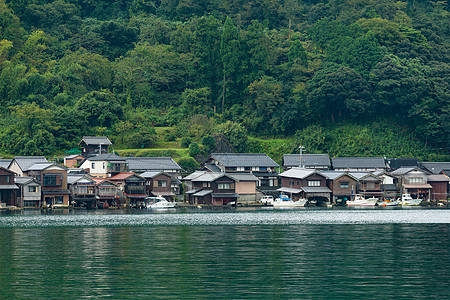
pixel 291 203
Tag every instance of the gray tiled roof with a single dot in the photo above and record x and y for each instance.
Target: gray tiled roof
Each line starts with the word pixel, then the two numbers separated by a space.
pixel 308 160
pixel 25 162
pixel 244 159
pixel 436 167
pixel 358 162
pixel 95 140
pixel 194 175
pixel 73 178
pixel 150 174
pixel 212 168
pixel 40 166
pixel 437 177
pixel 108 157
pixel 22 179
pixel 333 175
pixel 243 176
pixel 208 177
pixel 4 163
pixel 152 164
pixel 403 171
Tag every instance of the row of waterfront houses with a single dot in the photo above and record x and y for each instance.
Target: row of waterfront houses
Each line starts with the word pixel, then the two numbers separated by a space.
pixel 99 178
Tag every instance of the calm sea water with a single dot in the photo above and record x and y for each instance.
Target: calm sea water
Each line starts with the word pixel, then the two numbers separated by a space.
pixel 247 254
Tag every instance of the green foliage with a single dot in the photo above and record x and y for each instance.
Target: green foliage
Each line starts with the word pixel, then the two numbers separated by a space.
pixel 188 164
pixel 225 69
pixel 194 149
pixel 185 142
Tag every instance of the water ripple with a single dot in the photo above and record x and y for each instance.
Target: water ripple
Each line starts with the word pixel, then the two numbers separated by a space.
pixel 291 217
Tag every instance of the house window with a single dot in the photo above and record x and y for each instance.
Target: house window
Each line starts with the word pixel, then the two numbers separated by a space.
pixel 247 168
pixel 291 182
pixel 370 185
pixel 314 183
pixel 93 165
pixel 298 182
pixel 232 168
pixel 162 183
pixel 52 180
pixel 32 189
pixel 224 186
pixel 7 179
pixel 416 180
pixel 206 184
pixel 263 168
pixel 103 166
pixel 344 185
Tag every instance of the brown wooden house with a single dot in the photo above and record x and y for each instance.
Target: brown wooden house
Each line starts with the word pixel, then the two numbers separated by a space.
pixel 305 183
pixel 53 180
pixel 91 145
pixel 7 187
pixel 342 184
pixel 439 183
pixel 369 185
pixel 214 189
pixel 158 184
pixel 132 187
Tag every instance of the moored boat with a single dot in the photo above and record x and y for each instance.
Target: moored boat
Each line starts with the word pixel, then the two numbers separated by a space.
pixel 285 201
pixel 407 200
pixel 360 200
pixel 159 202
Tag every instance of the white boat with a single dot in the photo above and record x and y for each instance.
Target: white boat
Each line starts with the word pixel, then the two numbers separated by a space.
pixel 285 201
pixel 159 202
pixel 407 200
pixel 360 200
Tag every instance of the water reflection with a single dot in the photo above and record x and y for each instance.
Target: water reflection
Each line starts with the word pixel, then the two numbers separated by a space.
pixel 228 255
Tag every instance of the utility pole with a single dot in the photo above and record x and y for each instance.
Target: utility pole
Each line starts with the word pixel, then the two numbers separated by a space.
pixel 301 155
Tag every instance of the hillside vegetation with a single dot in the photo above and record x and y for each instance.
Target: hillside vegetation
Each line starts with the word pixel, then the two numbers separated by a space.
pixel 349 77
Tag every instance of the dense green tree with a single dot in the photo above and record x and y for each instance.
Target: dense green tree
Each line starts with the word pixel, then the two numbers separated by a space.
pixel 338 92
pixel 230 51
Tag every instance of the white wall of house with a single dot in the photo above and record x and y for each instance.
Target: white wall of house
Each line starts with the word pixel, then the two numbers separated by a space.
pixel 96 168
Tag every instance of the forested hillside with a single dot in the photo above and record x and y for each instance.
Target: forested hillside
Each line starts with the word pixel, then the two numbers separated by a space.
pixel 347 77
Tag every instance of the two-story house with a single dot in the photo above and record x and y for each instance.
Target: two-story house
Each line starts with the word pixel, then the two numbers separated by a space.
pixel 358 164
pixel 157 164
pixel 107 193
pixel 305 183
pixel 53 180
pixel 413 181
pixel 93 145
pixel 369 185
pixel 213 189
pixel 158 184
pixel 105 165
pixel 258 164
pixel 308 161
pixel 131 188
pixel 29 193
pixel 82 189
pixel 8 188
pixel 342 184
